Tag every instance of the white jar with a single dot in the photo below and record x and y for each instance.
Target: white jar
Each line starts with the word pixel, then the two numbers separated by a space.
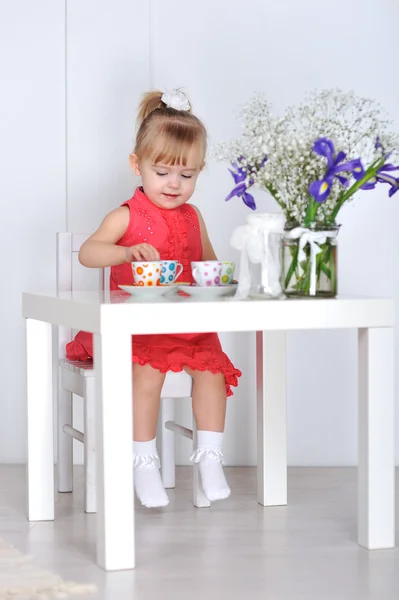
pixel 260 243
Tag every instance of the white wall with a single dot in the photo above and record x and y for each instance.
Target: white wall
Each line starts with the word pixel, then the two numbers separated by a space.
pixel 107 71
pixel 221 53
pixel 32 184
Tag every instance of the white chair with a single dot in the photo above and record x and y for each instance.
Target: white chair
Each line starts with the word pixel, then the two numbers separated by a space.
pixel 78 378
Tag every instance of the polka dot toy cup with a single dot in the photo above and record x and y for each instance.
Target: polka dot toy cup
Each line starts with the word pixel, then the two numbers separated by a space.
pixel 227 272
pixel 170 271
pixel 147 273
pixel 160 272
pixel 207 273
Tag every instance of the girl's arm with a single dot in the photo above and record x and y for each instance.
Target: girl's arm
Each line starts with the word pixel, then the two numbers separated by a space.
pixel 208 252
pixel 100 249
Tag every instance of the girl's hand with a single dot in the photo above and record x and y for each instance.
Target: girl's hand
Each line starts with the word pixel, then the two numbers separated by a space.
pixel 141 252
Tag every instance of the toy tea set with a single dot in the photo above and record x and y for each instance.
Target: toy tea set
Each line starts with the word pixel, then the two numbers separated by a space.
pixel 213 279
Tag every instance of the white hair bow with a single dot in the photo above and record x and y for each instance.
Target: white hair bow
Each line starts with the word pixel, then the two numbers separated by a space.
pixel 176 99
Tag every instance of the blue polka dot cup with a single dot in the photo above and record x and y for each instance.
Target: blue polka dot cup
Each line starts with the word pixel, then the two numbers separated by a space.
pixel 170 271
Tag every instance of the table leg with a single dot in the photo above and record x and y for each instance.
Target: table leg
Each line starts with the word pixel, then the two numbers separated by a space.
pixel 114 466
pixel 376 471
pixel 40 424
pixel 271 418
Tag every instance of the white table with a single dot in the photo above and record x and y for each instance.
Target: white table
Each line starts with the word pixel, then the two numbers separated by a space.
pixel 113 320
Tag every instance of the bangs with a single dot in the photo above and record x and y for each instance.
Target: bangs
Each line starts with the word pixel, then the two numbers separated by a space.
pixel 175 143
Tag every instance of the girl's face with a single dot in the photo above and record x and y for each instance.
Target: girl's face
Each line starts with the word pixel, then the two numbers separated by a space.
pixel 167 186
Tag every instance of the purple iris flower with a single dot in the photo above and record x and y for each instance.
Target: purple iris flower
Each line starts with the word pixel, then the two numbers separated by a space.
pixel 321 189
pixel 382 177
pixel 240 175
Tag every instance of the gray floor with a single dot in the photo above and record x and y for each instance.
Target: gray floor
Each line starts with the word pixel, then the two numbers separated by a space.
pixel 236 549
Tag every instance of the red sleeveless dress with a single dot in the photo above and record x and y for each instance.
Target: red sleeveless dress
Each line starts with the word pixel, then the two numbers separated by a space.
pixel 175 233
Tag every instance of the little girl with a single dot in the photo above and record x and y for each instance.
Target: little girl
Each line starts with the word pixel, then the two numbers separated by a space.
pixel 158 224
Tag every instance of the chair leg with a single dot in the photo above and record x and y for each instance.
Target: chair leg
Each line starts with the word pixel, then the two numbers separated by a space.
pixel 89 446
pixel 199 498
pixel 64 441
pixel 166 445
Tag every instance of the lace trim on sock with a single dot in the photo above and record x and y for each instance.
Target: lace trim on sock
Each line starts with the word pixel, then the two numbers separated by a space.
pixel 148 462
pixel 211 453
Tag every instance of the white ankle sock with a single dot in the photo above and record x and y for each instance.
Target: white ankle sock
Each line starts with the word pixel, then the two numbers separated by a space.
pixel 208 455
pixel 147 478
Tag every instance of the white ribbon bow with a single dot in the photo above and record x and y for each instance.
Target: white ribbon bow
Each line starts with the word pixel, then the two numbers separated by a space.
pixel 313 238
pixel 176 99
pixel 254 243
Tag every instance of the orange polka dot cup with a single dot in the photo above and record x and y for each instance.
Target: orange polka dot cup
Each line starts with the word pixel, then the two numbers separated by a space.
pixel 228 268
pixel 147 273
pixel 161 272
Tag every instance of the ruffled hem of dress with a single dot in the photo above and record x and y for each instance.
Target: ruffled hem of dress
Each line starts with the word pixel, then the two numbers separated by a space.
pixel 230 375
pixel 76 351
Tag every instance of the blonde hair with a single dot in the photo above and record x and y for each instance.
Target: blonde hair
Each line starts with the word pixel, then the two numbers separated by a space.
pixel 166 135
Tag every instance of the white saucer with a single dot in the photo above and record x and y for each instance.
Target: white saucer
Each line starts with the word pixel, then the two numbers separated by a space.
pixel 213 291
pixel 142 291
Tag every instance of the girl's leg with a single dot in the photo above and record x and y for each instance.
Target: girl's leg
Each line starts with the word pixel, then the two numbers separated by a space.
pixel 147 386
pixel 209 407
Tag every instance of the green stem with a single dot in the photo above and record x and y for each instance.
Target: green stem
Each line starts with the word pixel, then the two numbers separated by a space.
pixel 311 211
pixel 324 265
pixel 369 174
pixel 326 270
pixel 333 276
pixel 305 284
pixel 293 266
pixel 323 260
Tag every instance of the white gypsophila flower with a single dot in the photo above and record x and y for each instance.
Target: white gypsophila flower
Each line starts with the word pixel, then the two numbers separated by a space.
pixel 352 123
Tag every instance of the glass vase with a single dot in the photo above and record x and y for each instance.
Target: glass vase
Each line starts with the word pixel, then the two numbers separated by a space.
pixel 310 261
pixel 260 244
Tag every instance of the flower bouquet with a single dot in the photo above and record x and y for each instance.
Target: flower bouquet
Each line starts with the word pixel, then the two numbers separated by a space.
pixel 312 160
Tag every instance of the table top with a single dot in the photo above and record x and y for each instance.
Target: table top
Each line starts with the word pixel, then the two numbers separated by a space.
pixel 99 312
